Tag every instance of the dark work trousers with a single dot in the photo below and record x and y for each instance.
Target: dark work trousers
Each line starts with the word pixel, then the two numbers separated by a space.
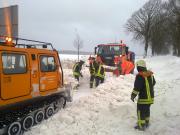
pixel 99 80
pixel 143 113
pixel 76 77
pixel 92 78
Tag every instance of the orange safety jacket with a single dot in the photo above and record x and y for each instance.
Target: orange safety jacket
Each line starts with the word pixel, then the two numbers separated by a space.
pixel 127 67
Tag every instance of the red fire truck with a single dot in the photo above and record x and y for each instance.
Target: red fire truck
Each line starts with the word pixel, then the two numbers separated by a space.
pixel 117 58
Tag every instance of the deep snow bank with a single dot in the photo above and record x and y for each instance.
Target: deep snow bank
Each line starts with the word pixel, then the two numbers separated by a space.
pixel 108 110
pixel 166 110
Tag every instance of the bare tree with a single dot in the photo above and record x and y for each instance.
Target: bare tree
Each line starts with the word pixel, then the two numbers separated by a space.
pixel 157 24
pixel 176 6
pixel 159 34
pixel 78 44
pixel 158 40
pixel 174 25
pixel 141 22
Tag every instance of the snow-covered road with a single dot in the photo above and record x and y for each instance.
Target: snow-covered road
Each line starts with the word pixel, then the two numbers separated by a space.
pixel 108 110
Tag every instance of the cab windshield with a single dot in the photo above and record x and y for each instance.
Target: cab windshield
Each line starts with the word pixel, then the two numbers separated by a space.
pixel 109 50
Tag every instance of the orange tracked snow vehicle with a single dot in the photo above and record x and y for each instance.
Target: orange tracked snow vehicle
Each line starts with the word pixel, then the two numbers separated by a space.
pixel 31 84
pixel 117 58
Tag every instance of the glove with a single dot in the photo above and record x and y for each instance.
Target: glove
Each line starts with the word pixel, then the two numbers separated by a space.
pixel 81 75
pixel 132 98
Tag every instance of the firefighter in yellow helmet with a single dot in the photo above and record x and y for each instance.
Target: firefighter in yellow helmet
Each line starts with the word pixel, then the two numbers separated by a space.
pixel 144 88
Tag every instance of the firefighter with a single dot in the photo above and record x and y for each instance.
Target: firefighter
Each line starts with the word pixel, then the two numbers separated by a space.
pixel 99 72
pixel 129 67
pixel 77 70
pixel 117 62
pixel 144 88
pixel 92 69
pixel 123 65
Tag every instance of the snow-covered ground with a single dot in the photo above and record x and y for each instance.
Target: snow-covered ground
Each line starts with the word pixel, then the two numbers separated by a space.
pixel 108 110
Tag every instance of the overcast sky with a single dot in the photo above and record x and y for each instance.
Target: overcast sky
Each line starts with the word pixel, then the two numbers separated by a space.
pixel 57 21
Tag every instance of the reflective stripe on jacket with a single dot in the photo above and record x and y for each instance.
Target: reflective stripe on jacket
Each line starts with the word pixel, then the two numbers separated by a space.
pixel 144 87
pixel 76 71
pixel 100 71
pixel 149 99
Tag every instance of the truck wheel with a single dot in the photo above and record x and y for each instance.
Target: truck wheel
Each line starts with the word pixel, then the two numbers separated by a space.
pixel 14 128
pixel 28 122
pixel 39 117
pixel 49 111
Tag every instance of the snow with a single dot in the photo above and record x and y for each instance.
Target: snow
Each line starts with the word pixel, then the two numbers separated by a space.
pixel 108 110
pixel 72 57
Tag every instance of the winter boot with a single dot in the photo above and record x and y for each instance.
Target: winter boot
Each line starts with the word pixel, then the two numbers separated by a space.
pixel 147 124
pixel 140 128
pixel 91 85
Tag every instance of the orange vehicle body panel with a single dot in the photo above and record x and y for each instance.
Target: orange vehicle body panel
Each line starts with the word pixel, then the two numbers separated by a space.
pixel 33 82
pixel 48 81
pixel 10 86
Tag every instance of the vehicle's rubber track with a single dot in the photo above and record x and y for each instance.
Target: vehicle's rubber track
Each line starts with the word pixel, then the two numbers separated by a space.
pixel 15 122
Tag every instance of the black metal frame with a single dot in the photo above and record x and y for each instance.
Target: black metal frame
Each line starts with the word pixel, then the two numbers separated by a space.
pixel 34 43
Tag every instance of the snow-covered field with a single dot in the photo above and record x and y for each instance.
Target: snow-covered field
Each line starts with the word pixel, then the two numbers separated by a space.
pixel 108 110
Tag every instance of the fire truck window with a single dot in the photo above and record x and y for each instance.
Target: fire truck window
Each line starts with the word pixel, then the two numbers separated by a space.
pixel 104 50
pixel 116 50
pixel 110 50
pixel 107 50
pixel 123 50
pixel 47 64
pixel 100 50
pixel 14 63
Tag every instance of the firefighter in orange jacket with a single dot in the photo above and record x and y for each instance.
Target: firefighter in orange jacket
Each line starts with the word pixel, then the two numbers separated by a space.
pixel 144 88
pixel 127 66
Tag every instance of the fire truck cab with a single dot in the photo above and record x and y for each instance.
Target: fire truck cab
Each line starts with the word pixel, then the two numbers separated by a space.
pixel 116 55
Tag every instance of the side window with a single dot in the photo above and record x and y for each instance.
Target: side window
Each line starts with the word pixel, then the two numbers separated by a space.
pixel 123 50
pixel 100 50
pixel 47 64
pixel 14 63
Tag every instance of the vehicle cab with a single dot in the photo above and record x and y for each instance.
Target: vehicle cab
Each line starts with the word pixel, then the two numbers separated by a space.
pixel 28 69
pixel 108 52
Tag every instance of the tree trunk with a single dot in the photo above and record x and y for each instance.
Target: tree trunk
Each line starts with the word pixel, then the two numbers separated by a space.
pixel 146 47
pixel 178 51
pixel 174 50
pixel 153 50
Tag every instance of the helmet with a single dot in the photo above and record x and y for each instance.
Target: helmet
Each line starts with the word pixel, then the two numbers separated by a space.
pixel 141 63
